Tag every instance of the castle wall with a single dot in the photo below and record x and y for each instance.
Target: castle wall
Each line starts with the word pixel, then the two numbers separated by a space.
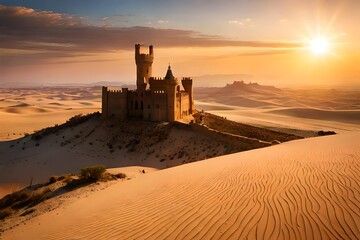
pixel 159 107
pixel 147 105
pixel 157 84
pixel 135 104
pixel 185 104
pixel 116 104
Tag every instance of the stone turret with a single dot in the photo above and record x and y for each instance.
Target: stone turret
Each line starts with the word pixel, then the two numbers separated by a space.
pixel 171 83
pixel 188 87
pixel 143 67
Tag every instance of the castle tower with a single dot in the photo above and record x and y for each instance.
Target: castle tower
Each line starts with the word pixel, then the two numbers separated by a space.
pixel 188 86
pixel 171 83
pixel 143 67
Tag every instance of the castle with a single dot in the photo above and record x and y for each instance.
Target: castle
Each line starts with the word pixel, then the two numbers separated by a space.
pixel 155 99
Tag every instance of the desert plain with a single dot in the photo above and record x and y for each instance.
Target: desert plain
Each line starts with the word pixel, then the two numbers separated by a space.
pixel 300 189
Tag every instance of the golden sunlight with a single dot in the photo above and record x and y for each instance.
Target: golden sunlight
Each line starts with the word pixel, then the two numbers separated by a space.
pixel 319 46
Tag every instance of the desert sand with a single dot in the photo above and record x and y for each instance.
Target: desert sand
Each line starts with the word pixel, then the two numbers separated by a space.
pixel 298 109
pixel 25 110
pixel 303 189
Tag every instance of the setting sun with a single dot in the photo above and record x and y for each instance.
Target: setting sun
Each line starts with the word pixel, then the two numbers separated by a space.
pixel 319 46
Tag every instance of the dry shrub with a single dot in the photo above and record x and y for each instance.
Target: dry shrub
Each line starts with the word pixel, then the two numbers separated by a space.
pixel 120 175
pixel 4 214
pixel 93 172
pixel 10 199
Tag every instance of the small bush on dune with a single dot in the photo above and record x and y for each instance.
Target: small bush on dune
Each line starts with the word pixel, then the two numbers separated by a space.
pixel 120 175
pixel 27 212
pixel 325 133
pixel 92 173
pixel 53 179
pixel 4 214
pixel 10 199
pixel 33 199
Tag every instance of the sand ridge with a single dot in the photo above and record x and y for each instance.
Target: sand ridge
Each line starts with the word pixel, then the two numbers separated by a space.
pixel 304 189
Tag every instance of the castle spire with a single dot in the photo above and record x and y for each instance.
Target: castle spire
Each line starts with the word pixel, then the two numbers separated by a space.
pixel 169 74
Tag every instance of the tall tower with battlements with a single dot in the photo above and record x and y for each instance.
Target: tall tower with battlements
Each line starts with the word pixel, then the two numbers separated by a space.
pixel 143 67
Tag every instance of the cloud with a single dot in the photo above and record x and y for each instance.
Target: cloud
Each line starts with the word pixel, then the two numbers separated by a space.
pixel 105 18
pixel 161 21
pixel 242 22
pixel 61 34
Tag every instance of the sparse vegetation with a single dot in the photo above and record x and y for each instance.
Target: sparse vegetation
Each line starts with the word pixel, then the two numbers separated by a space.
pixel 55 179
pixel 5 213
pixel 120 175
pixel 72 122
pixel 325 133
pixel 27 212
pixel 224 125
pixel 94 173
pixel 21 201
pixel 23 198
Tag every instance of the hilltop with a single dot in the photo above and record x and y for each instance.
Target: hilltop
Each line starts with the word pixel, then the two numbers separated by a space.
pixel 86 140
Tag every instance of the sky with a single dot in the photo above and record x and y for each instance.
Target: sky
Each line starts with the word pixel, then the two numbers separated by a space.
pixel 83 41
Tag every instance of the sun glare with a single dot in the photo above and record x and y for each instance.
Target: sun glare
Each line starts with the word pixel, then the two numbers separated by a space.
pixel 319 46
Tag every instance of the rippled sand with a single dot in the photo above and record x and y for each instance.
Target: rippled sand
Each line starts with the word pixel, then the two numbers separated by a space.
pixel 304 189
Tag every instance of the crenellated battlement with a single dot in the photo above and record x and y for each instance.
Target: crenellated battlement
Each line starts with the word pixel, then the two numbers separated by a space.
pixel 114 91
pixel 119 91
pixel 159 92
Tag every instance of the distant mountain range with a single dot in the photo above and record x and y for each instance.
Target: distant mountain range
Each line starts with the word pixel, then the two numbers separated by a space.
pixel 238 87
pixel 219 80
pixel 241 86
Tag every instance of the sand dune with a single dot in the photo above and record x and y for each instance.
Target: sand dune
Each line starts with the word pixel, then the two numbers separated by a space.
pixel 312 109
pixel 254 95
pixel 304 189
pixel 24 110
pixel 94 142
pixel 347 116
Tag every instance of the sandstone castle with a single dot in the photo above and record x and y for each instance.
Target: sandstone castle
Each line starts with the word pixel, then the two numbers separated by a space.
pixel 155 99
